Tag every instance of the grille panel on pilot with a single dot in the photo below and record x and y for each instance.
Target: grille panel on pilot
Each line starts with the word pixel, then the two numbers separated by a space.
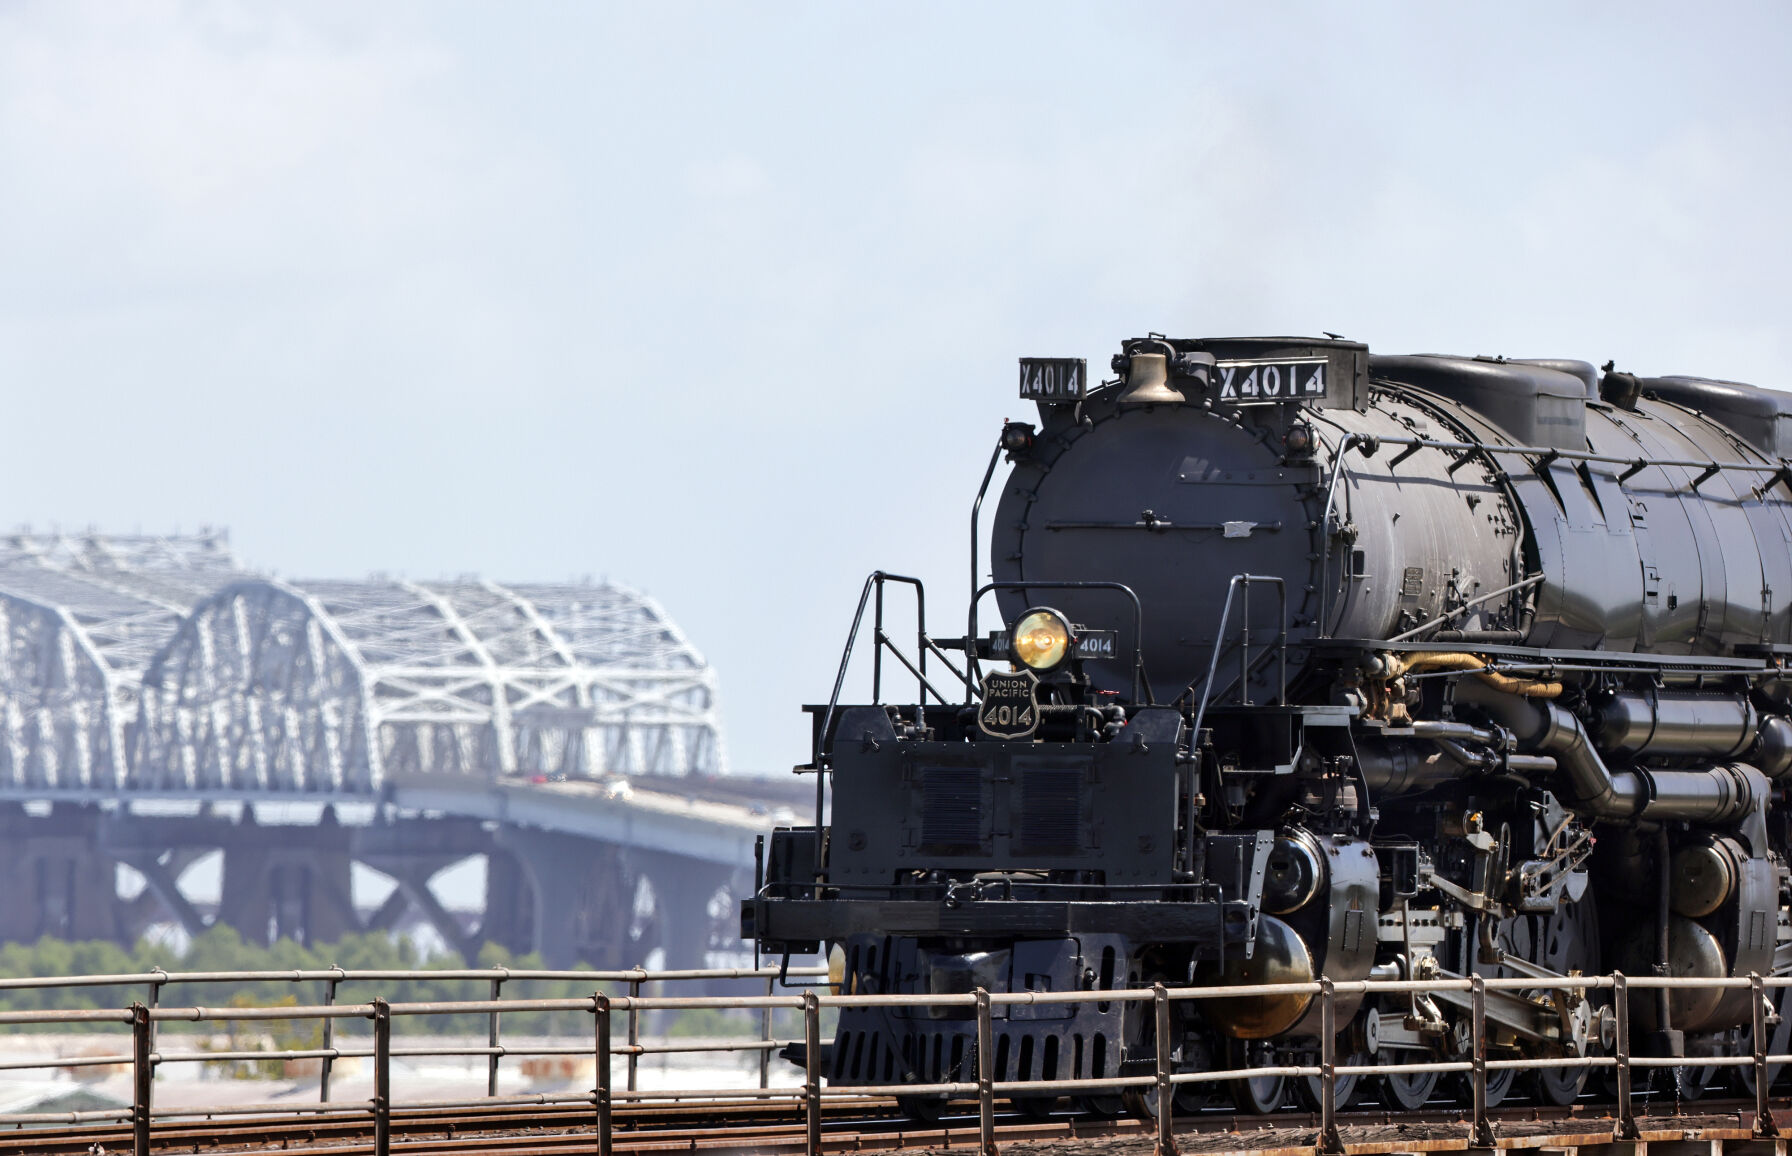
pixel 1051 810
pixel 952 807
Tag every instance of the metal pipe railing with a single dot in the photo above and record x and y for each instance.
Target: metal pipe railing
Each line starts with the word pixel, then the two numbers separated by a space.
pixel 811 1095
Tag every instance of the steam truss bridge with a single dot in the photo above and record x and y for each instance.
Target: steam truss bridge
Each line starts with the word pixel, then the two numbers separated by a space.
pixel 158 700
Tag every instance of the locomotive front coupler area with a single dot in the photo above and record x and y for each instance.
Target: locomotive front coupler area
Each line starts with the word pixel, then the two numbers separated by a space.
pixel 992 838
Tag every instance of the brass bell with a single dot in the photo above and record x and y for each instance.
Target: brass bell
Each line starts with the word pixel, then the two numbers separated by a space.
pixel 1148 382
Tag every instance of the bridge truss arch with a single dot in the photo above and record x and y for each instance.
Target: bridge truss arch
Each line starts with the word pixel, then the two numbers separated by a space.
pixel 81 615
pixel 331 686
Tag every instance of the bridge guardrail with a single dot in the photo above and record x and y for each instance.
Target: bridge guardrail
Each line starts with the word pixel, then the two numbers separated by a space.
pixel 605 1009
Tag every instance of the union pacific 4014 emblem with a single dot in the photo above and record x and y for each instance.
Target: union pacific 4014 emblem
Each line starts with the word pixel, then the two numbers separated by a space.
pixel 1010 707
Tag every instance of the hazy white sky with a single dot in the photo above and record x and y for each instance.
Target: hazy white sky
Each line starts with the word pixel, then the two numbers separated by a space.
pixel 724 301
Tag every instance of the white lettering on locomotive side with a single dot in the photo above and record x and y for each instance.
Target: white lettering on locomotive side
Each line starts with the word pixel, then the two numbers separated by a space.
pixel 1263 382
pixel 1051 379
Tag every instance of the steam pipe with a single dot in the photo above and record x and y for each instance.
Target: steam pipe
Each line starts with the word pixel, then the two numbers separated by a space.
pixel 1490 760
pixel 1722 793
pixel 1460 731
pixel 1396 768
pixel 1478 666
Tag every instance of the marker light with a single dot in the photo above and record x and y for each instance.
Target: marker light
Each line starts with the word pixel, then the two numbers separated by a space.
pixel 1042 640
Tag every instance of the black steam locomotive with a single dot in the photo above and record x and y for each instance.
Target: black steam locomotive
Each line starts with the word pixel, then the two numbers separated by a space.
pixel 1324 663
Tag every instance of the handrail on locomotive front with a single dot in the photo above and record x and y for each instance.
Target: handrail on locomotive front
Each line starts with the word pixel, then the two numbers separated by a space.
pixel 1242 582
pixel 1239 582
pixel 872 594
pixel 874 583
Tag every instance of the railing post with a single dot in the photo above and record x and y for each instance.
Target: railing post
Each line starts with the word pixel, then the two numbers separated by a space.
pixel 765 1035
pixel 491 1035
pixel 325 1064
pixel 602 1091
pixel 142 1079
pixel 986 1075
pixel 155 1001
pixel 1166 1091
pixel 1329 1140
pixel 634 1031
pixel 382 1078
pixel 1478 1038
pixel 1627 1129
pixel 1757 992
pixel 811 1072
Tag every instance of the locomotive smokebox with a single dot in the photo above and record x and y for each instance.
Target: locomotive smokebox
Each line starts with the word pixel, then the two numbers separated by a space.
pixel 1210 463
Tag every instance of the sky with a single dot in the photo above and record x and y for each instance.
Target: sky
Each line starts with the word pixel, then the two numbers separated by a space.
pixel 723 301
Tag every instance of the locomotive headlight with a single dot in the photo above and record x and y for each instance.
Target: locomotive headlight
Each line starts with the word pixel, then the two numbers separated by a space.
pixel 1042 639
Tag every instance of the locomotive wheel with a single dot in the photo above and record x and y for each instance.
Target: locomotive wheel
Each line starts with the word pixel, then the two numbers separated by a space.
pixel 1643 1082
pixel 1142 1102
pixel 1259 1095
pixel 1692 1083
pixel 1408 1091
pixel 1102 1107
pixel 922 1109
pixel 1778 1037
pixel 1310 1089
pixel 1186 1099
pixel 1499 1086
pixel 1561 1086
pixel 1566 940
pixel 1035 1107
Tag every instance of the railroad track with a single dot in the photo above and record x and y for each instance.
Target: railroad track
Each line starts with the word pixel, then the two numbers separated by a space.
pixel 869 1125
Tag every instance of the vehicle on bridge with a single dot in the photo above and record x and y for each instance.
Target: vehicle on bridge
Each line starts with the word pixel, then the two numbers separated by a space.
pixel 1319 663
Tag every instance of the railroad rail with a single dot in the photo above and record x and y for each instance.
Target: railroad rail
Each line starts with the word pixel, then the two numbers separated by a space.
pixel 626 1118
pixel 875 1125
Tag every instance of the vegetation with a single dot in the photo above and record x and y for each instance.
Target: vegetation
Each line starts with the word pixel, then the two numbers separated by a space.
pixel 222 949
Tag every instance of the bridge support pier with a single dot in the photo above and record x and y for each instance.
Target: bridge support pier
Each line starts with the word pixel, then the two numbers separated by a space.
pixel 509 919
pixel 682 889
pixel 56 884
pixel 288 882
pixel 584 897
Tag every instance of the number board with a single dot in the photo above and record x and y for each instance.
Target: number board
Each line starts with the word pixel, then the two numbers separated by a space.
pixel 1053 379
pixel 1010 707
pixel 1271 380
pixel 1096 644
